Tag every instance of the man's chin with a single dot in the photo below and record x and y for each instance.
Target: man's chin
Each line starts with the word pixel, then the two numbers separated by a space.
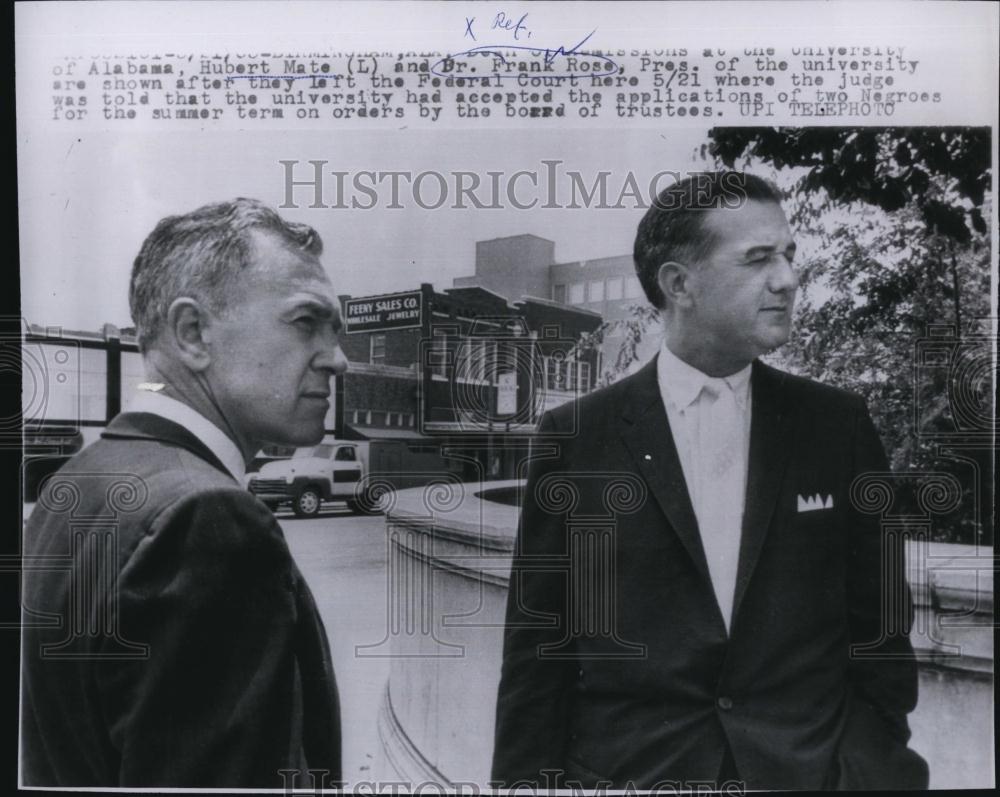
pixel 299 438
pixel 771 346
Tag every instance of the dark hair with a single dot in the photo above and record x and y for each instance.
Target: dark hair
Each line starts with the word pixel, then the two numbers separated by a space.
pixel 673 228
pixel 202 254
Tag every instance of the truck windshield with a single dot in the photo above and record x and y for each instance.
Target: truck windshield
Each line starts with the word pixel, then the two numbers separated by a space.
pixel 322 450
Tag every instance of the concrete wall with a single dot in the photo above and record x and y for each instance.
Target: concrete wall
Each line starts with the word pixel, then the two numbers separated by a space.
pixel 450 564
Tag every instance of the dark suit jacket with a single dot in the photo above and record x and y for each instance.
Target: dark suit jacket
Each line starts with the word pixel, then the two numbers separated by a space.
pixel 617 665
pixel 170 639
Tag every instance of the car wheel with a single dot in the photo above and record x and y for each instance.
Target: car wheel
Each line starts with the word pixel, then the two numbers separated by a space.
pixel 307 503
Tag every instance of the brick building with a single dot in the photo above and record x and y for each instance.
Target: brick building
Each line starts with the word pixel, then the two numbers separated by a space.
pixel 525 265
pixel 475 374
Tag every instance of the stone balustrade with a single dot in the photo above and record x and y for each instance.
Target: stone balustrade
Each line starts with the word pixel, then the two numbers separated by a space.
pixel 448 572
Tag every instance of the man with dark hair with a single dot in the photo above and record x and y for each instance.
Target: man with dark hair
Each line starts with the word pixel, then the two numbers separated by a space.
pixel 695 595
pixel 173 642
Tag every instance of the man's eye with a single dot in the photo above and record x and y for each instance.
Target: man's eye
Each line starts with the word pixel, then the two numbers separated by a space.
pixel 305 322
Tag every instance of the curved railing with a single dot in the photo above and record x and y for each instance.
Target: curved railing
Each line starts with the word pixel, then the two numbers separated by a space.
pixel 449 564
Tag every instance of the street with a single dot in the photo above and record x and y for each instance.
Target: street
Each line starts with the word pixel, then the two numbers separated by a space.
pixel 342 556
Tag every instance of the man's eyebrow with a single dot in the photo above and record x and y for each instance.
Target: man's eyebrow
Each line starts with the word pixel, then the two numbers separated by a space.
pixel 319 307
pixel 762 248
pixel 315 304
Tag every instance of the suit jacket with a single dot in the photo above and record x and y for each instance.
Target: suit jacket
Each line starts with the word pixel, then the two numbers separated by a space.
pixel 169 640
pixel 617 665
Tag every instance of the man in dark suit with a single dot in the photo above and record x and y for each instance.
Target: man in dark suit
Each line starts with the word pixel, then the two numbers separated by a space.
pixel 696 596
pixel 169 638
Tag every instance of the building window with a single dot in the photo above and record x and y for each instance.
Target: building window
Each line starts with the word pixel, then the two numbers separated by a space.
pixel 552 378
pixel 356 418
pixel 596 290
pixel 471 357
pixel 559 374
pixel 482 355
pixel 559 294
pixel 615 288
pixel 412 419
pixel 368 418
pixel 79 387
pixel 576 293
pixel 377 353
pixel 439 352
pixel 399 419
pixel 633 290
pixel 567 375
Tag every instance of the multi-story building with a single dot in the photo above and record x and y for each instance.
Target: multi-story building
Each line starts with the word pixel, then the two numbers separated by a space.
pixel 471 370
pixel 522 266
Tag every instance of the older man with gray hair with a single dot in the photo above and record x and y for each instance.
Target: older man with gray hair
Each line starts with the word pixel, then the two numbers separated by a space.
pixel 188 650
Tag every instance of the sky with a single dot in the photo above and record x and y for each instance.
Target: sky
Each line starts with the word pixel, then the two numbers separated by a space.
pixel 87 202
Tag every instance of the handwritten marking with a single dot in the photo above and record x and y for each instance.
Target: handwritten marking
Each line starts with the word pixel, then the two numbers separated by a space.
pixel 549 54
pixel 468 28
pixel 503 22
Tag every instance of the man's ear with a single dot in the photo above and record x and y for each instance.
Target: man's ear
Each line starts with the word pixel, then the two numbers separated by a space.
pixel 188 332
pixel 674 281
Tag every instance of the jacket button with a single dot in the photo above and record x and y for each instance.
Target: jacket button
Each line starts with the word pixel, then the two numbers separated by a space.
pixel 725 703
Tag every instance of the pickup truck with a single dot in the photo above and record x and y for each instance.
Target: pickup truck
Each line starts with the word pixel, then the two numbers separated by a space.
pixel 357 472
pixel 330 471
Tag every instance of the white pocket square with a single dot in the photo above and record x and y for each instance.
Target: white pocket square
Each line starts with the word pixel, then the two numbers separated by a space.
pixel 813 502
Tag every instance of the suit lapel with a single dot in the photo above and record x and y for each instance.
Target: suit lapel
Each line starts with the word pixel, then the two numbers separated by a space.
pixel 148 426
pixel 770 446
pixel 646 433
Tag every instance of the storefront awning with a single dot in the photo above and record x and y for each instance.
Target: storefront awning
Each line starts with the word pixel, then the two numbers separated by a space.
pixel 381 433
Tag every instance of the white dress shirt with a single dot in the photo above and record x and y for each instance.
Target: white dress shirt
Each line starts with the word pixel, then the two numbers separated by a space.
pixel 215 440
pixel 710 422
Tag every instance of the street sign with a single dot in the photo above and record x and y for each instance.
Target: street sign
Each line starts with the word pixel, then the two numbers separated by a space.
pixel 385 312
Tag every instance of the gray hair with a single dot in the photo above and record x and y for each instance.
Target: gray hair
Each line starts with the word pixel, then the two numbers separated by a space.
pixel 203 254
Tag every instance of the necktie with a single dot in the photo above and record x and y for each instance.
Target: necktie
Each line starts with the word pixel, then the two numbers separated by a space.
pixel 720 488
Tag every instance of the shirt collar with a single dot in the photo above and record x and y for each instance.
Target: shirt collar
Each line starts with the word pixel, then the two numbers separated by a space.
pixel 217 441
pixel 681 384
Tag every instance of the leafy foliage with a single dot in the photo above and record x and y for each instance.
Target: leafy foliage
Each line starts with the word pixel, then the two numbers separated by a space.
pixel 896 221
pixel 893 222
pixel 942 173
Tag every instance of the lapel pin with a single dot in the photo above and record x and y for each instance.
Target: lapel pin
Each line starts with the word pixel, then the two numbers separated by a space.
pixel 647 457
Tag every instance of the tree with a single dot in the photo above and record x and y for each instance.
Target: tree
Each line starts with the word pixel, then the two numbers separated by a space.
pixel 892 223
pixel 897 218
pixel 943 173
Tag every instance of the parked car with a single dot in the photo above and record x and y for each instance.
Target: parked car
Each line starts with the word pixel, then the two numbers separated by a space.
pixel 358 472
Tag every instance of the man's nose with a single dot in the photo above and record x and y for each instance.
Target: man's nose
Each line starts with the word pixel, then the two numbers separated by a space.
pixel 784 278
pixel 331 358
